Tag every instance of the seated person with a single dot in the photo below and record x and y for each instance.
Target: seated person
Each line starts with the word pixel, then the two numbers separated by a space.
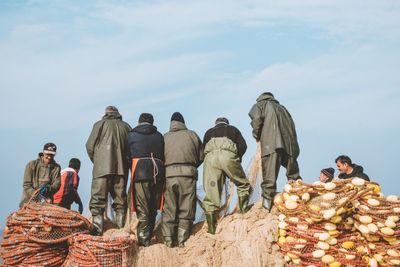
pixel 347 169
pixel 326 175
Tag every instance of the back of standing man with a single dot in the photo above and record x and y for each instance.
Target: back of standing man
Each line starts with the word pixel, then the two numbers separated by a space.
pixel 106 148
pixel 274 128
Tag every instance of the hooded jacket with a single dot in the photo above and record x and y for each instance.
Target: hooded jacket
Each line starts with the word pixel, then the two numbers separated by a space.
pixel 183 151
pixel 145 145
pixel 36 175
pixel 106 145
pixel 358 171
pixel 273 126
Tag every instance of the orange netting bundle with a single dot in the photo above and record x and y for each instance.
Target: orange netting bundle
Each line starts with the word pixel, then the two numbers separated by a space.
pixel 37 234
pixel 319 224
pixel 97 251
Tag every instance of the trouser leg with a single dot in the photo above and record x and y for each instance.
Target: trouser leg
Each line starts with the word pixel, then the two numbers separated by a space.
pixel 213 181
pixel 98 199
pixel 270 170
pixel 145 211
pixel 118 193
pixel 187 207
pixel 292 167
pixel 169 216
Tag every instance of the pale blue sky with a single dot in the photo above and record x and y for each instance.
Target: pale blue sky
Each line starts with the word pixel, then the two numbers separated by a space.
pixel 333 64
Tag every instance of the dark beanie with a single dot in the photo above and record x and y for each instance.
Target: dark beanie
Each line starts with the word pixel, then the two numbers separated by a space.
pixel 74 163
pixel 146 117
pixel 177 117
pixel 328 172
pixel 222 120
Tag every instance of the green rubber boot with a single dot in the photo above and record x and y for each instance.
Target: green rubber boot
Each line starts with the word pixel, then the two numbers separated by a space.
pixel 212 222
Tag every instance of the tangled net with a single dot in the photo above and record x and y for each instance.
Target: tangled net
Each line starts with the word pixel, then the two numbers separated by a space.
pixel 96 251
pixel 345 222
pixel 37 234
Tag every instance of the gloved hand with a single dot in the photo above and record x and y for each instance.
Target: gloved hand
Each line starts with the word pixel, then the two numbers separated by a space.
pixel 80 207
pixel 44 190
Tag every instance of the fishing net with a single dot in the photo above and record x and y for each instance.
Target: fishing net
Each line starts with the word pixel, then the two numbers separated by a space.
pixel 344 222
pixel 37 234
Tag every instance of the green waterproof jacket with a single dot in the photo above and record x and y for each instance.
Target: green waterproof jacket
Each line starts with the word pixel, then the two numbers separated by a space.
pixel 106 146
pixel 36 175
pixel 183 151
pixel 273 126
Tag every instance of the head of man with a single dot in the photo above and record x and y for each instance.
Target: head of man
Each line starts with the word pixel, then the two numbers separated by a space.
pixel 49 151
pixel 222 120
pixel 75 164
pixel 110 109
pixel 146 118
pixel 344 164
pixel 177 117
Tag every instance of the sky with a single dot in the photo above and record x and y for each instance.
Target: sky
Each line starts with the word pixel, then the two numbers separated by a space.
pixel 333 64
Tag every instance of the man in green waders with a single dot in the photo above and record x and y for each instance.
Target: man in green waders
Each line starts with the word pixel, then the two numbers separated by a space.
pixel 224 148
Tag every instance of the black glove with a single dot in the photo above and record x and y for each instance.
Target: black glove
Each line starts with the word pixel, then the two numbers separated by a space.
pixel 44 190
pixel 80 207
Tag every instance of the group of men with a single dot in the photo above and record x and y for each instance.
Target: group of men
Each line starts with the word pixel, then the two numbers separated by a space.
pixel 164 171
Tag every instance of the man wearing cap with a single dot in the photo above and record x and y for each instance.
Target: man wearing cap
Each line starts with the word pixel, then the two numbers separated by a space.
pixel 326 175
pixel 274 128
pixel 42 173
pixel 68 192
pixel 183 155
pixel 145 154
pixel 224 148
pixel 106 149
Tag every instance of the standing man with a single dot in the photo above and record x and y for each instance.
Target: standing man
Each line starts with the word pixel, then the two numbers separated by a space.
pixel 224 148
pixel 145 152
pixel 68 192
pixel 274 128
pixel 42 173
pixel 347 169
pixel 106 150
pixel 183 155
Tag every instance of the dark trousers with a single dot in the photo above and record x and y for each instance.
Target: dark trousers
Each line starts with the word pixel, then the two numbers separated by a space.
pixel 179 206
pixel 147 196
pixel 270 170
pixel 101 186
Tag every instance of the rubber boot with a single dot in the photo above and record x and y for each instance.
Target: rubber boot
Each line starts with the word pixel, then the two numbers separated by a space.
pixel 183 235
pixel 120 219
pixel 267 204
pixel 244 204
pixel 143 234
pixel 168 241
pixel 98 222
pixel 212 222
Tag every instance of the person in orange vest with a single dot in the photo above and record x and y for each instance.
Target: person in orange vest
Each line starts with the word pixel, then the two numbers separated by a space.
pixel 68 192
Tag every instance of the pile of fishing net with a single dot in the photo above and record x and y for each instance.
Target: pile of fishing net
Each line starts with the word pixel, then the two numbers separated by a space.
pixel 340 223
pixel 37 234
pixel 93 251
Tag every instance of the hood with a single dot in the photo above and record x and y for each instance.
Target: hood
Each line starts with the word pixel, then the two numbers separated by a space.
pixel 112 116
pixel 177 126
pixel 266 96
pixel 357 168
pixel 145 128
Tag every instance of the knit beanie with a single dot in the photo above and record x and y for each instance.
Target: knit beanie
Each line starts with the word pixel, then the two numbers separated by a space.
pixel 328 172
pixel 177 117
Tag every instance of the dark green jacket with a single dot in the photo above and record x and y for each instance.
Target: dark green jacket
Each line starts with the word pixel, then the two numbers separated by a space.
pixel 106 146
pixel 37 174
pixel 273 126
pixel 183 151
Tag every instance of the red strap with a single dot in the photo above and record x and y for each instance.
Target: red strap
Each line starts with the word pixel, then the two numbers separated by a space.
pixel 134 163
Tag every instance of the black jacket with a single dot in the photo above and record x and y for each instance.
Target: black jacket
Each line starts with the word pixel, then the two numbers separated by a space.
pixel 229 131
pixel 358 171
pixel 145 143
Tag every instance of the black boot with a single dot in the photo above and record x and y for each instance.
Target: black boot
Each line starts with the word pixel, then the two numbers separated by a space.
pixel 267 204
pixel 244 204
pixel 183 235
pixel 212 222
pixel 98 222
pixel 120 219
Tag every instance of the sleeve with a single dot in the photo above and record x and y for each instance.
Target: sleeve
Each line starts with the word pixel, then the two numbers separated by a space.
pixel 127 151
pixel 27 184
pixel 206 138
pixel 77 198
pixel 241 145
pixel 91 142
pixel 257 121
pixel 55 180
pixel 200 151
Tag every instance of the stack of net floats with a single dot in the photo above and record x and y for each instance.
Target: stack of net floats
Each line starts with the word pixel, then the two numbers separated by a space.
pixel 37 234
pixel 42 234
pixel 340 223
